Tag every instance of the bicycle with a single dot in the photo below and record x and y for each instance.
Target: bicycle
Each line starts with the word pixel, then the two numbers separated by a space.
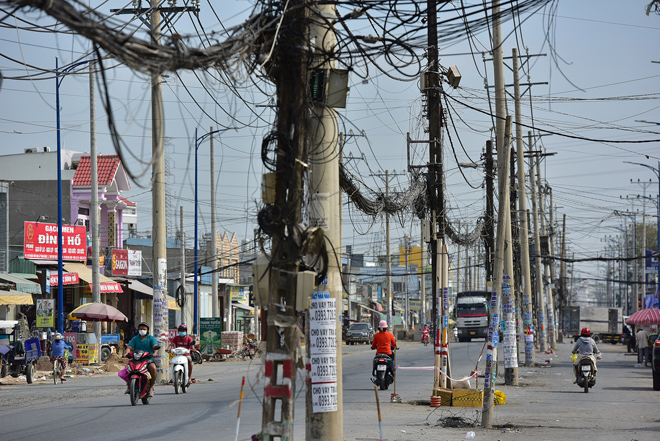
pixel 57 368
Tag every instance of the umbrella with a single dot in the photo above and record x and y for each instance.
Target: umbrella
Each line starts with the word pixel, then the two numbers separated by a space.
pixel 650 316
pixel 98 312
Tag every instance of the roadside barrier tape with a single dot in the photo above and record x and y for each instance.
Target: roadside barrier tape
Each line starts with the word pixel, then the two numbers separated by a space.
pixel 431 368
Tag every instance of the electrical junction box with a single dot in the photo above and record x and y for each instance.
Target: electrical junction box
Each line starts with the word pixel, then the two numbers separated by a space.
pixel 453 76
pixel 305 285
pixel 268 181
pixel 260 283
pixel 329 87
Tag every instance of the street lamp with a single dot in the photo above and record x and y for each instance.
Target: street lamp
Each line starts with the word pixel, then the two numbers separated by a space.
pixel 198 141
pixel 60 288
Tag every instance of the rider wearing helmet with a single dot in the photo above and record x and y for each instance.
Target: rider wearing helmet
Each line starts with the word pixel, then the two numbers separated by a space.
pixel 383 343
pixel 183 340
pixel 585 346
pixel 57 352
pixel 147 343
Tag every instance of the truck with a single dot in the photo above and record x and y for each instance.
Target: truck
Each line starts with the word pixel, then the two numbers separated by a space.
pixel 472 314
pixel 605 324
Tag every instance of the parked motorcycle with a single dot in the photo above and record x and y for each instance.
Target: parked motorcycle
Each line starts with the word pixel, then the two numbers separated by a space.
pixel 196 355
pixel 383 370
pixel 179 366
pixel 249 349
pixel 425 337
pixel 139 376
pixel 586 373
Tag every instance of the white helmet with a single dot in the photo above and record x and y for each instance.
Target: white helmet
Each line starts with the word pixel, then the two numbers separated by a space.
pixel 58 336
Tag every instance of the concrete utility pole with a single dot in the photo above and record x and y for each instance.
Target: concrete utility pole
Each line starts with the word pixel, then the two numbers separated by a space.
pixel 388 263
pixel 182 238
pixel 422 271
pixel 551 265
pixel 324 411
pixel 501 284
pixel 562 265
pixel 458 261
pixel 546 267
pixel 160 313
pixel 214 244
pixel 524 227
pixel 540 301
pixel 94 209
pixel 283 352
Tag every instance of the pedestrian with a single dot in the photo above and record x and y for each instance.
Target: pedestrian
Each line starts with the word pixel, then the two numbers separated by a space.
pixel 642 338
pixel 129 333
pixel 627 333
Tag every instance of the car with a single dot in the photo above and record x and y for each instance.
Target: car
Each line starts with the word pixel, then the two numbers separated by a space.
pixel 359 333
pixel 655 361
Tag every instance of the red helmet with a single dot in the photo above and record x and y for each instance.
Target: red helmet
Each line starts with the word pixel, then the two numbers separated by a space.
pixel 585 332
pixel 183 327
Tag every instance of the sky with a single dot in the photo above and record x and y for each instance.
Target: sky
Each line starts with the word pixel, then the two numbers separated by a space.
pixel 597 58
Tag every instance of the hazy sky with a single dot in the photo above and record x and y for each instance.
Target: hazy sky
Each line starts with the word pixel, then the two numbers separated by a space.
pixel 598 61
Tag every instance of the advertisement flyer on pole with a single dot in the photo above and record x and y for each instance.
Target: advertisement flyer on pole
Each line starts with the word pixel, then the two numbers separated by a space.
pixel 323 351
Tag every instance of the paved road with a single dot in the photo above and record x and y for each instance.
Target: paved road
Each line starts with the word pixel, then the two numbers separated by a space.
pixel 547 405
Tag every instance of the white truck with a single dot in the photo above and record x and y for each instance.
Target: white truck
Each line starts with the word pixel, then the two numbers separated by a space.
pixel 472 314
pixel 605 324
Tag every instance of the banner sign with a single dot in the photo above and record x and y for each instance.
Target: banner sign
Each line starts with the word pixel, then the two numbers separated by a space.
pixel 126 263
pixel 210 334
pixel 238 294
pixel 40 241
pixel 323 350
pixel 45 313
pixel 69 279
pixel 651 263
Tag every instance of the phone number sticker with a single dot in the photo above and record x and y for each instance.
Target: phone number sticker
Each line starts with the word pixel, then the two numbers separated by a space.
pixel 323 368
pixel 324 397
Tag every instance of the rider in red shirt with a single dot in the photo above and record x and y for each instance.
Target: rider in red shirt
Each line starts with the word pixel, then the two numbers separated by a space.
pixel 383 343
pixel 183 340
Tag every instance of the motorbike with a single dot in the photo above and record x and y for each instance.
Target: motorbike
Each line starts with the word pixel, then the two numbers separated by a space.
pixel 586 373
pixel 425 337
pixel 383 370
pixel 249 349
pixel 139 376
pixel 196 355
pixel 179 366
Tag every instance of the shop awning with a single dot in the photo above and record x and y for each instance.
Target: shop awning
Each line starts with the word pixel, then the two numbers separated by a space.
pixel 12 297
pixel 22 285
pixel 242 306
pixel 147 292
pixel 105 284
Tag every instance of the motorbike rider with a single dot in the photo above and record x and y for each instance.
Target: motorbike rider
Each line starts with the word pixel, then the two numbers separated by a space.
pixel 147 343
pixel 425 332
pixel 585 346
pixel 183 340
pixel 383 342
pixel 57 347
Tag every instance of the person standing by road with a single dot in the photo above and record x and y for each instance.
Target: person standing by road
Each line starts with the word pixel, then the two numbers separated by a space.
pixel 642 338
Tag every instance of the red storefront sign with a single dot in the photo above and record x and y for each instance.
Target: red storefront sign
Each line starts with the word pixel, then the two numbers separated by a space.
pixel 40 241
pixel 69 279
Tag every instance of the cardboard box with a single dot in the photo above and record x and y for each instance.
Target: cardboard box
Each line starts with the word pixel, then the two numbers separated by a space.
pixel 467 398
pixel 444 394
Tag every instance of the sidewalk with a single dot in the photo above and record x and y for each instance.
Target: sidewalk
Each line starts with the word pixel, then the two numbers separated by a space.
pixel 545 406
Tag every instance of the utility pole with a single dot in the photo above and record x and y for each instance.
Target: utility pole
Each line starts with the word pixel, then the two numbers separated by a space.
pixel 94 209
pixel 501 284
pixel 388 262
pixel 458 269
pixel 540 301
pixel 289 70
pixel 182 238
pixel 214 244
pixel 422 271
pixel 160 313
pixel 546 267
pixel 324 411
pixel 562 265
pixel 489 228
pixel 524 227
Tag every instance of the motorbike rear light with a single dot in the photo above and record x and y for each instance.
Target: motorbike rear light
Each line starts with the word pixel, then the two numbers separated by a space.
pixel 381 359
pixel 657 342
